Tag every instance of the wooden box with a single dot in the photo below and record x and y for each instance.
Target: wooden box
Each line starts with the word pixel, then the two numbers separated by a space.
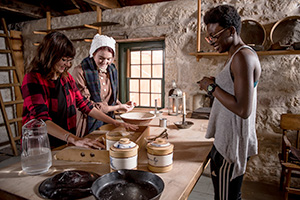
pixel 73 153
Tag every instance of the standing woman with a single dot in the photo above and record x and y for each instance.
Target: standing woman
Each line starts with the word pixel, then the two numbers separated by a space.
pixel 97 80
pixel 50 93
pixel 232 118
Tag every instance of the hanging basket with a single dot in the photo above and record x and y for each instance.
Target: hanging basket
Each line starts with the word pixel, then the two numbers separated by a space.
pixel 253 34
pixel 286 31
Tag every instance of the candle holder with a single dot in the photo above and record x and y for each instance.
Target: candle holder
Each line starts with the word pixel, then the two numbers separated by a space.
pixel 175 100
pixel 183 124
pixel 174 105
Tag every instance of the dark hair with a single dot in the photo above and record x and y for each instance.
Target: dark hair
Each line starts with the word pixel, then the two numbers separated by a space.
pixel 54 46
pixel 225 15
pixel 106 48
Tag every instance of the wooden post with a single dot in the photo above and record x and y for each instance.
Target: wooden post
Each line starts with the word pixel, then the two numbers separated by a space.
pixel 128 63
pixel 99 18
pixel 199 26
pixel 48 20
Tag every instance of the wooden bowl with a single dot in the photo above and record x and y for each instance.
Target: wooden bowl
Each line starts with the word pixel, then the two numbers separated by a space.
pixel 138 118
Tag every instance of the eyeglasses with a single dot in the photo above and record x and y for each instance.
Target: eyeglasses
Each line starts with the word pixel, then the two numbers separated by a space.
pixel 212 38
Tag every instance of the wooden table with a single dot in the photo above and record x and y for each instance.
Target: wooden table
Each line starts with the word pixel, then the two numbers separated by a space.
pixel 189 160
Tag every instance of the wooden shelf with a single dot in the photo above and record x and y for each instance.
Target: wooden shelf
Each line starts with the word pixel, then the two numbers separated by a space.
pixel 199 55
pixel 92 26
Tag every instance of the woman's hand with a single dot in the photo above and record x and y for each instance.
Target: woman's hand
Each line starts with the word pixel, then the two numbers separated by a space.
pixel 205 82
pixel 126 107
pixel 131 103
pixel 88 143
pixel 127 125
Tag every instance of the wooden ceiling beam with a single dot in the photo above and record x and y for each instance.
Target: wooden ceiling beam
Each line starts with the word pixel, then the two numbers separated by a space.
pixel 105 4
pixel 141 2
pixel 21 8
pixel 82 5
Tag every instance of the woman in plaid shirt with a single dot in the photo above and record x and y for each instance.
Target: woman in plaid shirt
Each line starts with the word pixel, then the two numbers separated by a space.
pixel 50 93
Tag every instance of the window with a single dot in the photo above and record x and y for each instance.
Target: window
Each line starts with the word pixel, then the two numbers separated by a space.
pixel 142 73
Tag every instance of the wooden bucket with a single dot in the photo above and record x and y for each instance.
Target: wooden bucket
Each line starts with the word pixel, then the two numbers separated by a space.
pixel 160 155
pixel 115 135
pixel 123 155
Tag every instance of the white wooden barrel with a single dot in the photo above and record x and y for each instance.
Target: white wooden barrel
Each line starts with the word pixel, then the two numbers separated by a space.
pixel 160 155
pixel 123 155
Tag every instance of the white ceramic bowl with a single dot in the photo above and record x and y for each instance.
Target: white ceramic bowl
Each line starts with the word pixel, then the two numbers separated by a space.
pixel 138 118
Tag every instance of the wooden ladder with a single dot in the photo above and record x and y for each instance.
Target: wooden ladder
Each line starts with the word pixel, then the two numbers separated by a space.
pixel 8 108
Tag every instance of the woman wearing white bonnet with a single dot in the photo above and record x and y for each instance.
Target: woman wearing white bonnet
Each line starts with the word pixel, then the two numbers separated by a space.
pixel 97 80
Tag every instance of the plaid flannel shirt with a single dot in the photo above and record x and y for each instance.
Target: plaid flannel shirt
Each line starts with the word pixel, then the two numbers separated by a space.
pixel 38 94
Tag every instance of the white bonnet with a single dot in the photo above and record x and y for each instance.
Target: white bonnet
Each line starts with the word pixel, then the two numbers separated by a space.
pixel 101 41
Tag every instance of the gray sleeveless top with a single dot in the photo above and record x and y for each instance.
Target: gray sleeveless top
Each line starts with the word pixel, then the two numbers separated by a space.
pixel 235 138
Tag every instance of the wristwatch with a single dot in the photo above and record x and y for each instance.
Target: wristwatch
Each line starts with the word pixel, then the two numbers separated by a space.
pixel 211 88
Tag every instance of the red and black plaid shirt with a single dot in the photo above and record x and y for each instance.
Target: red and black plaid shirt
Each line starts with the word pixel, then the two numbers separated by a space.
pixel 39 97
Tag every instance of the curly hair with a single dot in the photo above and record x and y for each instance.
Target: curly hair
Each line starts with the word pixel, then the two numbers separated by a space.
pixel 54 46
pixel 225 15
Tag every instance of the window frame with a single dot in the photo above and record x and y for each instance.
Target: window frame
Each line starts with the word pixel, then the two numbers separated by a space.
pixel 124 81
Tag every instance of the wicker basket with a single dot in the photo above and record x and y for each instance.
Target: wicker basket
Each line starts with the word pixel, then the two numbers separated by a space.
pixel 284 31
pixel 253 34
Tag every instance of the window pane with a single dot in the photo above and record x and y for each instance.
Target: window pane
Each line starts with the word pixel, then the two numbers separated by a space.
pixel 135 57
pixel 145 100
pixel 153 97
pixel 157 57
pixel 145 86
pixel 134 97
pixel 146 71
pixel 145 81
pixel 156 86
pixel 157 71
pixel 134 85
pixel 146 57
pixel 135 71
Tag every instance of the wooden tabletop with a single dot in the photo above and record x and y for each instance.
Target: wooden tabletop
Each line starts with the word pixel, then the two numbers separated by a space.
pixel 189 160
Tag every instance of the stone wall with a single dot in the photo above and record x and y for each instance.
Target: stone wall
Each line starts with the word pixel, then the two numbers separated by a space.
pixel 279 86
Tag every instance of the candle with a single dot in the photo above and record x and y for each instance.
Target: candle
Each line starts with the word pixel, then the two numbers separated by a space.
pixel 155 106
pixel 183 104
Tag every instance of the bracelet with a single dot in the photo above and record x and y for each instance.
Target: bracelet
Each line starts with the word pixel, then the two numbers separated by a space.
pixel 67 135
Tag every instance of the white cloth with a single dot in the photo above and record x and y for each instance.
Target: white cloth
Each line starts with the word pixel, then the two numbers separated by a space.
pixel 102 41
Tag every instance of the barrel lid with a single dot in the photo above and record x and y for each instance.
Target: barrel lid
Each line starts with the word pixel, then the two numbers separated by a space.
pixel 160 142
pixel 124 143
pixel 160 147
pixel 123 148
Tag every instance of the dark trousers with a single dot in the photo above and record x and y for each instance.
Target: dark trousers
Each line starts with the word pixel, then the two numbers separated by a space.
pixel 221 172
